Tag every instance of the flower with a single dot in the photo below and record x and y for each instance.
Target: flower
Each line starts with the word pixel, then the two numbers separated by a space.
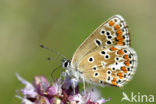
pixel 61 91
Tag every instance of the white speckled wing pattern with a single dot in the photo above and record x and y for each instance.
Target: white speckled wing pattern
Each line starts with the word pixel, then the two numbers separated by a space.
pixel 105 57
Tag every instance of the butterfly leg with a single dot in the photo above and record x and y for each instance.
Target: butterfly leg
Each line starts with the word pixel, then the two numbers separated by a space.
pixel 74 83
pixel 66 73
pixel 84 86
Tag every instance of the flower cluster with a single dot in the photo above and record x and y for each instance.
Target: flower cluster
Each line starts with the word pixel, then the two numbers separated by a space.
pixel 60 92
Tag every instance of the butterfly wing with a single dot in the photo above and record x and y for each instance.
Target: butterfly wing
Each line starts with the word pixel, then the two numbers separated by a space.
pixel 112 32
pixel 113 65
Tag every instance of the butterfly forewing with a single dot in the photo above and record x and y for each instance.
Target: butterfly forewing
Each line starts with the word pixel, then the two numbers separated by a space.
pixel 112 32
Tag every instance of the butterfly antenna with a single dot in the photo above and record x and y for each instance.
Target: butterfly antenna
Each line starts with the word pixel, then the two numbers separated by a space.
pixel 54 71
pixel 52 50
pixel 53 58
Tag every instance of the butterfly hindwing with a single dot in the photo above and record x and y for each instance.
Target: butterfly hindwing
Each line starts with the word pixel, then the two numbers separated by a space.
pixel 113 65
pixel 112 32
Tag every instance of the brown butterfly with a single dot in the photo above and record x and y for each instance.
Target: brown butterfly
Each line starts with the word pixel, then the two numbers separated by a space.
pixel 105 57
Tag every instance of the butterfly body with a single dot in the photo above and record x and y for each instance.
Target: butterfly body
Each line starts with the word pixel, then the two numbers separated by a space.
pixel 105 57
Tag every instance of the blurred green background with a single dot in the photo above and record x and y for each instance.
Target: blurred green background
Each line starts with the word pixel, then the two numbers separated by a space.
pixel 63 25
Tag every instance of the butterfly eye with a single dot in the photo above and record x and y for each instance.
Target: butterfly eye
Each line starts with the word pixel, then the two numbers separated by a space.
pixel 96 74
pixel 66 63
pixel 91 59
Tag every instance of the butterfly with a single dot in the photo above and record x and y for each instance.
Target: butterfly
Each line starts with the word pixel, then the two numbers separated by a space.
pixel 105 58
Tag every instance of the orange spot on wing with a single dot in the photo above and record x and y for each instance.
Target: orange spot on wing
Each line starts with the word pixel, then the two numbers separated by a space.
pixel 113 49
pixel 126 57
pixel 123 68
pixel 120 43
pixel 120 52
pixel 117 27
pixel 114 81
pixel 120 38
pixel 120 75
pixel 119 32
pixel 111 23
pixel 127 63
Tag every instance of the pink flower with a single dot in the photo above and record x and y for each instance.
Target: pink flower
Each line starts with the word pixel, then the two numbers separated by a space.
pixel 60 92
pixel 29 89
pixel 56 89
